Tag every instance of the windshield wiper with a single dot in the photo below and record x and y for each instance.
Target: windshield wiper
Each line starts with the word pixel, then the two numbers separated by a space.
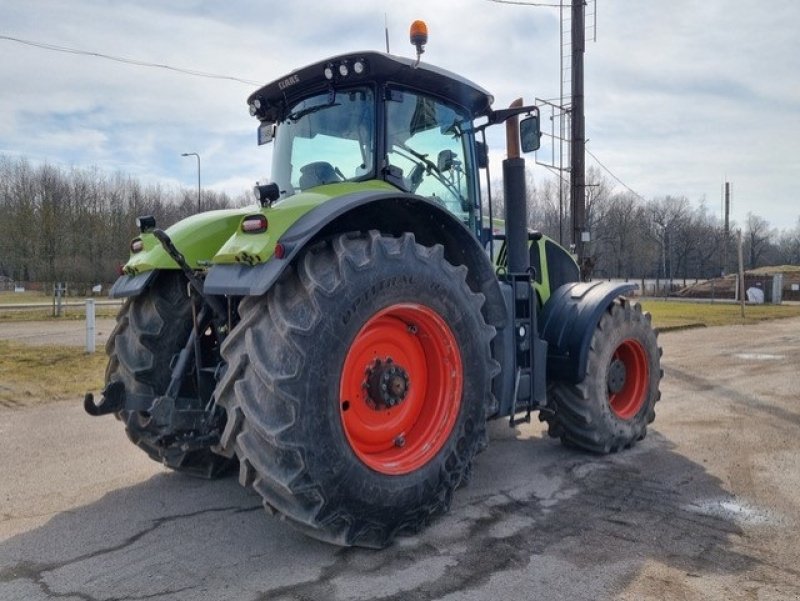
pixel 308 111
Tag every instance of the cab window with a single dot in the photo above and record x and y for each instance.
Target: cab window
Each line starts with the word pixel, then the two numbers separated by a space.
pixel 425 143
pixel 325 139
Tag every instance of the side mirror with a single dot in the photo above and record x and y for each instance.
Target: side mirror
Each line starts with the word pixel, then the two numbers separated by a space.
pixel 529 133
pixel 482 155
pixel 266 133
pixel 445 160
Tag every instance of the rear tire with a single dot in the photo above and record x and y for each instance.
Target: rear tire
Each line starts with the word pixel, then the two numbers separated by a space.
pixel 151 328
pixel 610 409
pixel 312 397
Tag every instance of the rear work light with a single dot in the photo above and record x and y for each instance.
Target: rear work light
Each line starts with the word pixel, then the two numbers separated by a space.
pixel 254 224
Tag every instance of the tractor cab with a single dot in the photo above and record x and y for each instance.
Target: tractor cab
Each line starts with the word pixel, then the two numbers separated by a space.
pixel 374 116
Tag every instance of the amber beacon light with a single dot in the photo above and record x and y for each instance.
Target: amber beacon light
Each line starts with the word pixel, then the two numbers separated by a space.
pixel 419 37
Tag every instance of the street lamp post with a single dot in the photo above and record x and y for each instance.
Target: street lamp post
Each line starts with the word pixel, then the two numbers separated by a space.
pixel 194 154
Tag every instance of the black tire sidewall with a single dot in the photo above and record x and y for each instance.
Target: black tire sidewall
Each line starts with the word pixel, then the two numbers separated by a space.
pixel 151 329
pixel 330 461
pixel 607 339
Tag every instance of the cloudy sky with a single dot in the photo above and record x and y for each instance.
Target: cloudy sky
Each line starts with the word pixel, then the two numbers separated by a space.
pixel 680 95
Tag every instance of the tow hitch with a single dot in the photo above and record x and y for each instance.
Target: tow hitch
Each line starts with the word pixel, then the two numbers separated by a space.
pixel 165 419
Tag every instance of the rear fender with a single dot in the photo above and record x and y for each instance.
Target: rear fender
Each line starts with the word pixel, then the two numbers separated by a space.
pixel 568 322
pixel 390 212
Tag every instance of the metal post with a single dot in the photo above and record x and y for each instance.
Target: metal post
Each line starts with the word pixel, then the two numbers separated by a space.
pixel 741 270
pixel 194 154
pixel 561 132
pixel 58 299
pixel 90 325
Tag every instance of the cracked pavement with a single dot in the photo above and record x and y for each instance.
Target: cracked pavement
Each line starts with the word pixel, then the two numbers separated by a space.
pixel 706 507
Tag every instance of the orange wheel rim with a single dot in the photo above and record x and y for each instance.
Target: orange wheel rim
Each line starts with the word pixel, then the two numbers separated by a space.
pixel 628 379
pixel 400 388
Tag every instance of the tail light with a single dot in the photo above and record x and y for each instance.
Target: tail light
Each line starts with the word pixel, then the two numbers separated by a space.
pixel 254 224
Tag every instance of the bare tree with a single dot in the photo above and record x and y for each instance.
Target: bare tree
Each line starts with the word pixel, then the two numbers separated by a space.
pixel 789 245
pixel 76 225
pixel 666 216
pixel 757 239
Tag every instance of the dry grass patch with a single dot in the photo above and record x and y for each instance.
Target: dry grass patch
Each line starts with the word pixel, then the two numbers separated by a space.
pixel 36 374
pixel 8 298
pixel 671 314
pixel 46 314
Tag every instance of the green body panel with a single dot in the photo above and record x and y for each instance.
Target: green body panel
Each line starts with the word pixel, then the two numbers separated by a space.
pixel 197 237
pixel 216 236
pixel 243 247
pixel 543 289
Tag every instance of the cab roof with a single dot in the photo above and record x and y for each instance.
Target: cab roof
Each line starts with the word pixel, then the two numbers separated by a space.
pixel 277 97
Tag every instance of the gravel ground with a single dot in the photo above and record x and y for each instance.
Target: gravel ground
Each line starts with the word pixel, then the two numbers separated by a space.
pixel 706 507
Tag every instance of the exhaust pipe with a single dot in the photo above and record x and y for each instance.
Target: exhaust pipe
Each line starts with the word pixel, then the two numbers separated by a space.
pixel 516 209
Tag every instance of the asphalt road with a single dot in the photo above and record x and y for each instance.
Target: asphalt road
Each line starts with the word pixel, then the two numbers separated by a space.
pixel 706 507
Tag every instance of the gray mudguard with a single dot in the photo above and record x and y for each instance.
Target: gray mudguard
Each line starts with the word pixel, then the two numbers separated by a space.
pixel 131 285
pixel 568 322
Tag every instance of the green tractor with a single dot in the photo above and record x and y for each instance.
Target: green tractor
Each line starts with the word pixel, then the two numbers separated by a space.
pixel 345 343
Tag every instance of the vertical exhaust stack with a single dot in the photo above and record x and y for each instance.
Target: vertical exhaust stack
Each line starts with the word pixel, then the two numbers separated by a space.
pixel 516 208
pixel 529 351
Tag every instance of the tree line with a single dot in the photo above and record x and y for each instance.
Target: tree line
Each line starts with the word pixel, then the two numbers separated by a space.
pixel 75 225
pixel 666 237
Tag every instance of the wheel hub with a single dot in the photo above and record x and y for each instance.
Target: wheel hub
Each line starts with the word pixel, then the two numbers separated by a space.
pixel 616 376
pixel 386 384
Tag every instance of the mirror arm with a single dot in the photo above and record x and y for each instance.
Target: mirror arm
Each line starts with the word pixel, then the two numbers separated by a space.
pixel 496 117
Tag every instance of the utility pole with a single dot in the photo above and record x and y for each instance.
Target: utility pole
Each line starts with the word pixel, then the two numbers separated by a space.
pixel 727 233
pixel 740 283
pixel 578 135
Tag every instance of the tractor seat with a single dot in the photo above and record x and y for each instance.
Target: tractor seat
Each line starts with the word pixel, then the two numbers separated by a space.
pixel 317 174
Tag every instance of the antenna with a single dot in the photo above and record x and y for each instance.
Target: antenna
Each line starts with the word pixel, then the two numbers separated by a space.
pixel 386 30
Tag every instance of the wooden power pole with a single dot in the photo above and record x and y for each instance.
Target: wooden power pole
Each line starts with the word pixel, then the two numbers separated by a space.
pixel 578 134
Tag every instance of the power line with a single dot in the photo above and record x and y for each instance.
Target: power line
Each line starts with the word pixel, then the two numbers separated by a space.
pixel 607 170
pixel 520 3
pixel 127 61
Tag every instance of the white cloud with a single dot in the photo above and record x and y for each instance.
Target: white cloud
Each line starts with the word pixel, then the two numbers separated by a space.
pixel 678 95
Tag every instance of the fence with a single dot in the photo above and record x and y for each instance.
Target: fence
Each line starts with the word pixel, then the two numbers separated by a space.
pixel 50 308
pixel 60 332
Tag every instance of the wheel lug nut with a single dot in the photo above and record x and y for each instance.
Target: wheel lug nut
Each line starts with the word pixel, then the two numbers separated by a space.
pixel 400 441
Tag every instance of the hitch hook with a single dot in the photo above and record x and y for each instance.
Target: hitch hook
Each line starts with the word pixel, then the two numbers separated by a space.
pixel 113 400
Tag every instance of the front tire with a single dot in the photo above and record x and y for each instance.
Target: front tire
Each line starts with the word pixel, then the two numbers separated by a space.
pixel 356 388
pixel 611 408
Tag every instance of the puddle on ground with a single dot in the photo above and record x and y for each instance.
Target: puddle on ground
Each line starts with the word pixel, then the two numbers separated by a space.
pixel 731 509
pixel 758 357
